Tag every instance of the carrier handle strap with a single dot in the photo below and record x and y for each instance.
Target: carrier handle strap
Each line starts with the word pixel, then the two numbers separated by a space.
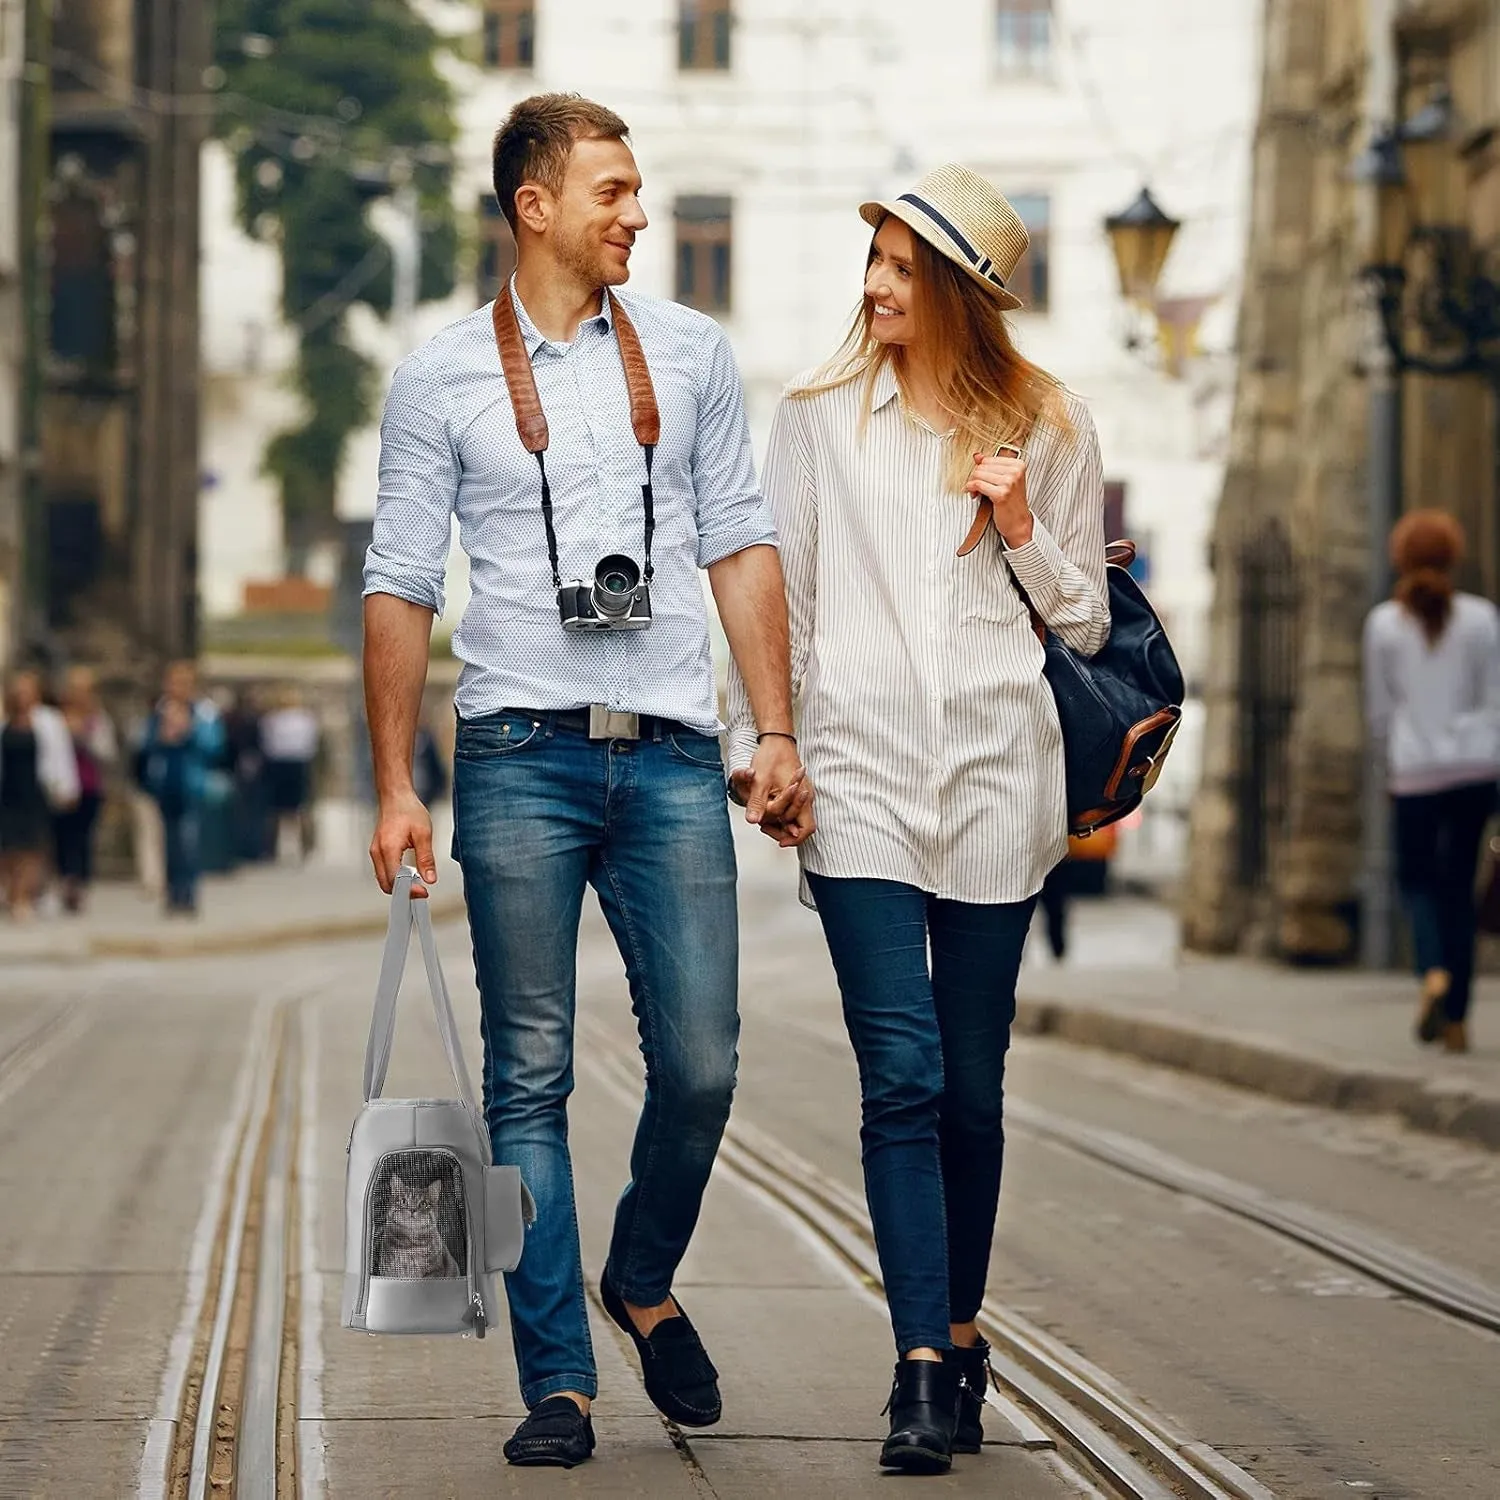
pixel 406 914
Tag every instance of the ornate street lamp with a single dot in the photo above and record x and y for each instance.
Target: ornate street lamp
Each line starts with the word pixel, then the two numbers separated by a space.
pixel 1439 302
pixel 1141 238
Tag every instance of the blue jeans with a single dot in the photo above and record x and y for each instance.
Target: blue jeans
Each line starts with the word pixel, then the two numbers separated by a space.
pixel 931 1046
pixel 541 812
pixel 180 833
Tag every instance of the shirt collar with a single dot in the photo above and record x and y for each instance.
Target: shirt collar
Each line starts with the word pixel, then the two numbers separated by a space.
pixel 533 338
pixel 885 388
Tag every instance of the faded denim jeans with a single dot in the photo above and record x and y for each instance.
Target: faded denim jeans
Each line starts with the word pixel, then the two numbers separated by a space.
pixel 540 813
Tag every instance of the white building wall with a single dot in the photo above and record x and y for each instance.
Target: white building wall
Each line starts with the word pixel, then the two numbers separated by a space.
pixel 829 102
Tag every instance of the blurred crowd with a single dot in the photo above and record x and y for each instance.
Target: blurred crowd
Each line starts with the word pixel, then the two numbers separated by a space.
pixel 203 782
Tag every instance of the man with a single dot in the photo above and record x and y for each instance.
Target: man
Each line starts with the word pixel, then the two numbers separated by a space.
pixel 574 433
pixel 184 740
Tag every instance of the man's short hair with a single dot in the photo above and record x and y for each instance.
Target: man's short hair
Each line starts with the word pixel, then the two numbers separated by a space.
pixel 537 138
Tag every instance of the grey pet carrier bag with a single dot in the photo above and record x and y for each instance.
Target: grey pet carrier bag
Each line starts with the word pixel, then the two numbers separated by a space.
pixel 428 1220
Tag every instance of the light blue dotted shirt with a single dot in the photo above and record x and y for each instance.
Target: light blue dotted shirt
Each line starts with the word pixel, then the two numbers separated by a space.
pixel 448 445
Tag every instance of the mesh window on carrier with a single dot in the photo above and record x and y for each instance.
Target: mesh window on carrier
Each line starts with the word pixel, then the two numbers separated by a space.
pixel 418 1219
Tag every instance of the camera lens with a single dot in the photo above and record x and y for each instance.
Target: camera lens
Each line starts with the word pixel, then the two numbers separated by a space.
pixel 615 582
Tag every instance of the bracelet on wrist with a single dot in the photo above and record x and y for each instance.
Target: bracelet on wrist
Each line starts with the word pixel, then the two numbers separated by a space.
pixel 775 734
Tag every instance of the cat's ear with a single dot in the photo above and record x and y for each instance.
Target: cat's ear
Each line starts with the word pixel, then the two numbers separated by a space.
pixel 397 1186
pixel 435 1189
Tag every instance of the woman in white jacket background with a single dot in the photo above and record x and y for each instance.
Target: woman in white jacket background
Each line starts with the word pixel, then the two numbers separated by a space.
pixel 1432 700
pixel 38 778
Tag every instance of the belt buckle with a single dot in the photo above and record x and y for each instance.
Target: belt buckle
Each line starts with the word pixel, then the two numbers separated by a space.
pixel 607 724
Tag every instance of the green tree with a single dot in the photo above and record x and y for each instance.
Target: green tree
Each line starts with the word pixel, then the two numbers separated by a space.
pixel 327 105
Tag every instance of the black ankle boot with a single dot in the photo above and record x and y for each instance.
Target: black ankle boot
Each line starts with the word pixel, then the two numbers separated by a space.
pixel 923 1408
pixel 973 1368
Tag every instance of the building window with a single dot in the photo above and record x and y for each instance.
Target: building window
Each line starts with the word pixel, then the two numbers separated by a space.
pixel 509 33
pixel 705 236
pixel 1023 35
pixel 703 34
pixel 497 251
pixel 1032 279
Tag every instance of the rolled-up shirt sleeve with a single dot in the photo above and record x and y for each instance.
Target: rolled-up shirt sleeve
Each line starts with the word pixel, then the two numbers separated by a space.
pixel 419 474
pixel 791 489
pixel 732 513
pixel 1062 566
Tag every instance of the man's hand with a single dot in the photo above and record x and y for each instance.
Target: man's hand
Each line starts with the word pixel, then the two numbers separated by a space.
pixel 776 792
pixel 403 824
pixel 1002 480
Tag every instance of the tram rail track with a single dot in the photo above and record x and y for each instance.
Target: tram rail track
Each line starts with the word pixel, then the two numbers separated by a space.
pixel 227 1420
pixel 1412 1275
pixel 1052 1397
pixel 27 1051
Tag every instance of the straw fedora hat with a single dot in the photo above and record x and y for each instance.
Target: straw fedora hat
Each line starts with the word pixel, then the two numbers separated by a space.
pixel 965 218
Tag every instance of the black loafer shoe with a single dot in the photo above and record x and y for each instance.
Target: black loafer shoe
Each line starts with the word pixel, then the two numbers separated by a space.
pixel 973 1366
pixel 924 1411
pixel 556 1434
pixel 680 1377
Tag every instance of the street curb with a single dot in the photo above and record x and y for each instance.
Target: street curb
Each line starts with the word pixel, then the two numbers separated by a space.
pixel 1448 1108
pixel 190 944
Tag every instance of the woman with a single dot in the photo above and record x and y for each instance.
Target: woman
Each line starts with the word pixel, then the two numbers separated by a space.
pixel 95 749
pixel 931 736
pixel 289 744
pixel 1432 697
pixel 38 778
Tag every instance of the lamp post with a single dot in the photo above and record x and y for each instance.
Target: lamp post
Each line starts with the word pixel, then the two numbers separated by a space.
pixel 1439 315
pixel 1141 237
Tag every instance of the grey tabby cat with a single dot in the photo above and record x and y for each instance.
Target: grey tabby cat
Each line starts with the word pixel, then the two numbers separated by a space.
pixel 411 1246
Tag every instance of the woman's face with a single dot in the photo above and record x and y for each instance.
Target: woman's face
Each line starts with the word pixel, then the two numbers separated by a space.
pixel 889 286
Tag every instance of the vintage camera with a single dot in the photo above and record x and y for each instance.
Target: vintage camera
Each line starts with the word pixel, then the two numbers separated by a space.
pixel 616 600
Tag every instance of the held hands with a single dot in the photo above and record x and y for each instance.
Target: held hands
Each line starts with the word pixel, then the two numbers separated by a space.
pixel 403 824
pixel 1001 479
pixel 776 792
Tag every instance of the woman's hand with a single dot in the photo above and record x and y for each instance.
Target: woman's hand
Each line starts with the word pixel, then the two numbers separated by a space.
pixel 1001 479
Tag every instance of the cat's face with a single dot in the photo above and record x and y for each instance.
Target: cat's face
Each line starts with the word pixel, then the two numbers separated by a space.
pixel 415 1203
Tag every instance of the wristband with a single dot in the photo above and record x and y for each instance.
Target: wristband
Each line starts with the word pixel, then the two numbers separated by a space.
pixel 778 734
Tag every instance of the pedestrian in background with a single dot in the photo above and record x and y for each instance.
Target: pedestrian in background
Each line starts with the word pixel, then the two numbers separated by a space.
pixel 96 749
pixel 931 735
pixel 254 825
pixel 1432 699
pixel 184 740
pixel 38 780
pixel 289 737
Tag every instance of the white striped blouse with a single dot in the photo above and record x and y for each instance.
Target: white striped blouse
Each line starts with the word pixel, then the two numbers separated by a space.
pixel 925 723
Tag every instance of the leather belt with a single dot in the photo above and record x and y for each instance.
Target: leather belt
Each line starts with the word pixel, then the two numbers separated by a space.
pixel 600 723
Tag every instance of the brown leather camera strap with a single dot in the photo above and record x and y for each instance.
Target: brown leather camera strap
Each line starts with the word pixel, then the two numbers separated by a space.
pixel 531 420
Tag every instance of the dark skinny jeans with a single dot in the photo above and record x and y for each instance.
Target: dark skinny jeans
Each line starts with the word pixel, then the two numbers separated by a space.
pixel 1437 860
pixel 931 1046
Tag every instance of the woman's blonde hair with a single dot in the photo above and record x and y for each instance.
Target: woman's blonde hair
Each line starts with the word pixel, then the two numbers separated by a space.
pixel 992 393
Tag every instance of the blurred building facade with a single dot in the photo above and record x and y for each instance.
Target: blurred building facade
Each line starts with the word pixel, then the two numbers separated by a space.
pixel 111 532
pixel 760 125
pixel 12 307
pixel 1332 437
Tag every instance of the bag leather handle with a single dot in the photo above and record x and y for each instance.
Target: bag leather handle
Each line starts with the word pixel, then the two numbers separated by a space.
pixel 406 914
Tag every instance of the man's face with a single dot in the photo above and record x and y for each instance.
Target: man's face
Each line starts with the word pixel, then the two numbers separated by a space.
pixel 181 683
pixel 597 214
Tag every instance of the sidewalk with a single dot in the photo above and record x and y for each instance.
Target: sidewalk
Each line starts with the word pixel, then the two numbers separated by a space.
pixel 1338 1038
pixel 254 908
